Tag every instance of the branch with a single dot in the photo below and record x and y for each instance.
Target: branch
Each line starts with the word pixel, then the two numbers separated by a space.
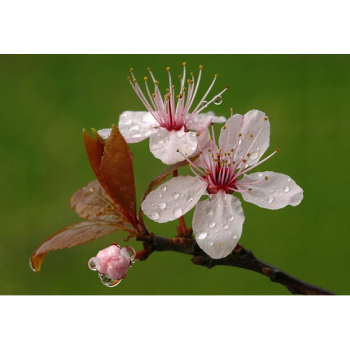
pixel 240 257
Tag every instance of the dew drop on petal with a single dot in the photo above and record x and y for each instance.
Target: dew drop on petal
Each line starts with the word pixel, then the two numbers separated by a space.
pixel 177 212
pixel 235 236
pixel 289 179
pixel 269 199
pixel 209 212
pixel 160 196
pixel 161 205
pixel 189 199
pixel 254 155
pixel 260 174
pixel 286 189
pixel 218 100
pixel 271 191
pixel 163 188
pixel 231 218
pixel 166 139
pixel 212 224
pixel 211 242
pixel 202 235
pixel 137 134
pixel 225 226
pixel 134 128
pixel 239 208
pixel 108 282
pixel 154 216
pixel 175 195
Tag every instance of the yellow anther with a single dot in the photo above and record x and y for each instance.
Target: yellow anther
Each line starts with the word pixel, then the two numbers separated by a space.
pixel 153 95
pixel 168 69
pixel 219 150
pixel 149 69
pixel 231 109
pixel 209 150
pixel 181 95
pixel 167 90
pixel 131 70
pixel 212 155
pixel 228 165
pixel 216 159
pixel 156 82
pixel 197 134
pixel 207 173
pixel 180 76
pixel 185 89
pixel 244 161
pixel 200 67
pixel 211 137
pixel 277 150
pixel 177 97
pixel 265 118
pixel 191 82
pixel 216 76
pixel 249 189
pixel 239 135
pixel 251 135
pixel 192 74
pixel 173 87
pixel 225 161
pixel 200 152
pixel 145 78
pixel 225 154
pixel 134 81
pixel 188 81
pixel 228 153
pixel 224 127
pixel 128 78
pixel 248 155
pixel 266 177
pixel 184 64
pixel 234 162
pixel 190 165
pixel 232 149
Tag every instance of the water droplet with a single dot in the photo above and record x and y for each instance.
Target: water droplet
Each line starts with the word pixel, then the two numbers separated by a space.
pixel 177 212
pixel 235 236
pixel 202 235
pixel 92 265
pixel 225 197
pixel 225 226
pixel 166 139
pixel 154 216
pixel 231 218
pixel 271 191
pixel 209 211
pixel 246 166
pixel 204 103
pixel 161 205
pixel 289 179
pixel 269 199
pixel 160 196
pixel 254 155
pixel 189 199
pixel 212 224
pixel 134 128
pixel 260 174
pixel 175 195
pixel 163 188
pixel 286 189
pixel 239 208
pixel 211 242
pixel 137 134
pixel 262 199
pixel 218 100
pixel 160 141
pixel 108 282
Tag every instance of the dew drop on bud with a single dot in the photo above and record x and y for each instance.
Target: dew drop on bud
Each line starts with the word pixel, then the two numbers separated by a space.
pixel 108 282
pixel 218 100
pixel 92 265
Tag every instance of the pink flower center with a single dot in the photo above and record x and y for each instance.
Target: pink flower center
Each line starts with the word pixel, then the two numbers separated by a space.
pixel 172 111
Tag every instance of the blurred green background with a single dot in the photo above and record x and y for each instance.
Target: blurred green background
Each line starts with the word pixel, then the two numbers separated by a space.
pixel 46 101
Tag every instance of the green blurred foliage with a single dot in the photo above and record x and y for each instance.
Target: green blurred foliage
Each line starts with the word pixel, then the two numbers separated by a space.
pixel 46 101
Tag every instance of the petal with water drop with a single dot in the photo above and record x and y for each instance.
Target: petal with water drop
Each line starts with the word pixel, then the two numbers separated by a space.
pixel 189 188
pixel 217 224
pixel 203 120
pixel 164 145
pixel 276 192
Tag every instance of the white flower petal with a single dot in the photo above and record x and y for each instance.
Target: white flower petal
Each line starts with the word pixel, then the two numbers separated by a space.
pixel 164 145
pixel 276 192
pixel 217 224
pixel 174 198
pixel 203 120
pixel 137 126
pixel 229 136
pixel 104 133
pixel 255 128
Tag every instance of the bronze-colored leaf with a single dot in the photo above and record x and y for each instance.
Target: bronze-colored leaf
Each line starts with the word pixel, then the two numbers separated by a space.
pixel 160 178
pixel 118 173
pixel 76 234
pixel 93 203
pixel 94 147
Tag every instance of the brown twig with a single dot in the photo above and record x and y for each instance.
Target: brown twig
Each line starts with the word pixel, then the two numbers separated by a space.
pixel 240 257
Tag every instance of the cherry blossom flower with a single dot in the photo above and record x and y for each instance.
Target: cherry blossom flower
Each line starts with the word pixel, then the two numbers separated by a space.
pixel 168 121
pixel 112 264
pixel 220 172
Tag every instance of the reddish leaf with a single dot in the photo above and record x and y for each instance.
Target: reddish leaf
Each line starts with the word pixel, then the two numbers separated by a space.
pixel 160 178
pixel 118 173
pixel 93 203
pixel 76 234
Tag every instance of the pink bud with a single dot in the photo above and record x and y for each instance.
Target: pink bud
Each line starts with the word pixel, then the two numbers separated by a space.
pixel 113 261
